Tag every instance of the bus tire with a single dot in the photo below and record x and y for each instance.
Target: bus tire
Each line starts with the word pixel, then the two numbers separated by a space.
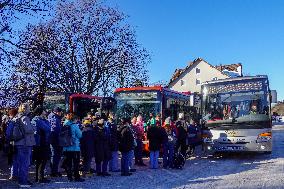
pixel 268 152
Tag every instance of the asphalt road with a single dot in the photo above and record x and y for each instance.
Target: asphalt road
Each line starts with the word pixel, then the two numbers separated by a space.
pixel 230 171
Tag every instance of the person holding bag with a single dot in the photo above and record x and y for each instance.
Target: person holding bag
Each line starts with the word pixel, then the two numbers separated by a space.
pixel 71 148
pixel 24 143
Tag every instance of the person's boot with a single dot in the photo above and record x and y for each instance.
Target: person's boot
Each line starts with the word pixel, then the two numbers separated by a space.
pixel 126 174
pixel 106 174
pixel 84 174
pixel 141 163
pixel 79 180
pixel 44 180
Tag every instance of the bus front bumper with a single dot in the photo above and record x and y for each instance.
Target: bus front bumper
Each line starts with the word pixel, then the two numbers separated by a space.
pixel 254 146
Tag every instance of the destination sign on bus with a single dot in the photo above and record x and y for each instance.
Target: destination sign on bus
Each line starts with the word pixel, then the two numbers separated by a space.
pixel 235 87
pixel 137 95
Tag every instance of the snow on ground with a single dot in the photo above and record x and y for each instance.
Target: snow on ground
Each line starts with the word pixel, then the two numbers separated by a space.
pixel 230 171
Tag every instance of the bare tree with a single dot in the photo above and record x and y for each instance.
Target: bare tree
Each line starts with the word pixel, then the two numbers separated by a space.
pixel 12 11
pixel 87 47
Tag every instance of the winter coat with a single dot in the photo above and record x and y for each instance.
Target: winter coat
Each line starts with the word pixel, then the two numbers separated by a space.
pixel 154 135
pixel 193 134
pixel 102 147
pixel 88 142
pixel 164 136
pixel 182 130
pixel 9 131
pixel 42 128
pixel 76 136
pixel 29 139
pixel 139 130
pixel 55 123
pixel 126 139
pixel 151 122
pixel 113 136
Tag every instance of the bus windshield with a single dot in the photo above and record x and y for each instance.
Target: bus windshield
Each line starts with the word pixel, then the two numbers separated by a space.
pixel 135 103
pixel 236 107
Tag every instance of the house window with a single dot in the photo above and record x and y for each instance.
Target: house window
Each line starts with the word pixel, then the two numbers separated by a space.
pixel 181 82
pixel 197 71
pixel 198 82
pixel 215 78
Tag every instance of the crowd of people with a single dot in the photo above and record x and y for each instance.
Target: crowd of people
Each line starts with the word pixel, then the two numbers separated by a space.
pixel 68 142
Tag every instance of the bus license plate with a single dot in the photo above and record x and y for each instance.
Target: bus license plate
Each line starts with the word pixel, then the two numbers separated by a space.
pixel 235 148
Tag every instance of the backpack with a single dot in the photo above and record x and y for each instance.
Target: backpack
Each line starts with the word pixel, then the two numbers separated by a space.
pixel 65 136
pixel 18 132
pixel 179 161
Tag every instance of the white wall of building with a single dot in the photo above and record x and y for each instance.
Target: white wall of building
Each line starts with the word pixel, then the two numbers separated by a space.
pixel 188 81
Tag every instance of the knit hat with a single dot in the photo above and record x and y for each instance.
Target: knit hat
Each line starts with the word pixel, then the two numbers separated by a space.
pixel 87 122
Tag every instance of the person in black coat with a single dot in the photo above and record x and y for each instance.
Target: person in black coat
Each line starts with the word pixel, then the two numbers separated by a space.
pixel 113 166
pixel 102 148
pixel 87 145
pixel 182 135
pixel 126 145
pixel 154 136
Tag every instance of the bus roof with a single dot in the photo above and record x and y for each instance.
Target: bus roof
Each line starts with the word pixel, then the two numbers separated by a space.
pixel 77 95
pixel 148 88
pixel 236 79
pixel 154 88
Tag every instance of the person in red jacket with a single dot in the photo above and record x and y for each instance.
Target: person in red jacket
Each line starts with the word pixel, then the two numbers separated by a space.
pixel 138 128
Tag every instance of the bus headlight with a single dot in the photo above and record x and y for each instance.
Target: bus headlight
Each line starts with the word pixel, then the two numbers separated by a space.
pixel 264 137
pixel 262 147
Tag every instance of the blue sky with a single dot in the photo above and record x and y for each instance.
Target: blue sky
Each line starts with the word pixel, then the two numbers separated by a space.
pixel 219 31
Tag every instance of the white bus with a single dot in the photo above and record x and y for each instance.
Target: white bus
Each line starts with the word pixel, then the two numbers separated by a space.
pixel 237 114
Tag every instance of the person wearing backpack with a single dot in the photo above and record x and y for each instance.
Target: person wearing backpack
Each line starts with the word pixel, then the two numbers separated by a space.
pixel 54 119
pixel 71 149
pixel 24 143
pixel 42 148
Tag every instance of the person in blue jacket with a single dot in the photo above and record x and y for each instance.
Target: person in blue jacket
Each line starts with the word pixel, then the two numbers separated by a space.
pixel 54 119
pixel 41 151
pixel 72 153
pixel 11 148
